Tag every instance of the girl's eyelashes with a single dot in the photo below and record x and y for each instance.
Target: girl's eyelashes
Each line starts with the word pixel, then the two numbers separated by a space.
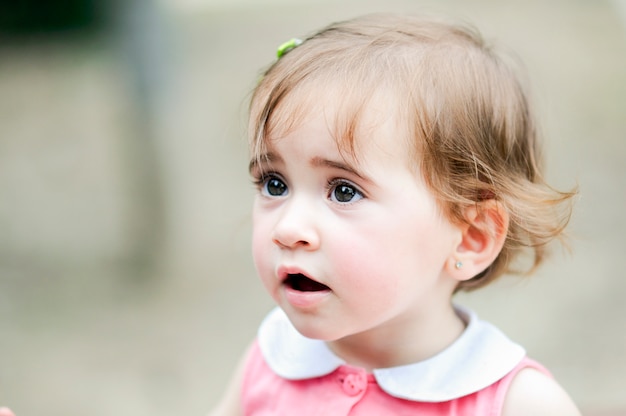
pixel 271 185
pixel 342 191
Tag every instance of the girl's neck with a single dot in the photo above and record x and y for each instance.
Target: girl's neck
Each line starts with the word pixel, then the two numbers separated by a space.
pixel 404 341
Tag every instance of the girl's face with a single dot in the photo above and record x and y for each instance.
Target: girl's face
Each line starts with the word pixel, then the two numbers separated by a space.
pixel 349 248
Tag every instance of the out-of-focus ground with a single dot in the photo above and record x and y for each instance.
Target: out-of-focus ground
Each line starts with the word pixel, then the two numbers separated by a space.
pixel 126 282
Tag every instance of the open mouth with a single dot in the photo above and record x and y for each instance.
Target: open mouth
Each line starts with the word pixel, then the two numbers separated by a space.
pixel 302 283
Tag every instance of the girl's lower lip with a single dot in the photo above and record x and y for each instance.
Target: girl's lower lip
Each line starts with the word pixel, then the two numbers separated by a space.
pixel 304 300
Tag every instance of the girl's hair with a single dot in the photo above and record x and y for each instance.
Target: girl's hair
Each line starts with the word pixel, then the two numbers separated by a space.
pixel 469 126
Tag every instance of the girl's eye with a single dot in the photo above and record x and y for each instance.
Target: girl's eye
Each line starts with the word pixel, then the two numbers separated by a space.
pixel 273 186
pixel 344 193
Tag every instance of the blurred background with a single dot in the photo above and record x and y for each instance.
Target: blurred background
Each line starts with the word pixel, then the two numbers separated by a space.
pixel 126 281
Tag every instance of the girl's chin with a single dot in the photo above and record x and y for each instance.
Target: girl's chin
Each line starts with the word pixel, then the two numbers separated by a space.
pixel 315 327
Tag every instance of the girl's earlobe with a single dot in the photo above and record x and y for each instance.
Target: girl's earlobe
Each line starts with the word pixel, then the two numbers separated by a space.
pixel 482 239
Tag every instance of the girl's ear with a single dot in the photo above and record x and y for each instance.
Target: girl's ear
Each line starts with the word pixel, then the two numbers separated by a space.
pixel 482 238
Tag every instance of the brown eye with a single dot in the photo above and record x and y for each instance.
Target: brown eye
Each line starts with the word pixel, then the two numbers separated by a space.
pixel 344 193
pixel 274 187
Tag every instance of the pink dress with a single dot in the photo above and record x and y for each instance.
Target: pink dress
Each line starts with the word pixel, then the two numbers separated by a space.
pixel 288 374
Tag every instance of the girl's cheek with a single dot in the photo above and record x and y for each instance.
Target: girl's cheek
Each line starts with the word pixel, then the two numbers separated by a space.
pixel 354 262
pixel 261 242
pixel 258 232
pixel 257 247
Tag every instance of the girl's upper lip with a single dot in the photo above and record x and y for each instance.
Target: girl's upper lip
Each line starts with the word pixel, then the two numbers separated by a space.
pixel 286 270
pixel 297 280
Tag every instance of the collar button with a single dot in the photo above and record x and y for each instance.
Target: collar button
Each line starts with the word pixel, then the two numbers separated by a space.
pixel 354 384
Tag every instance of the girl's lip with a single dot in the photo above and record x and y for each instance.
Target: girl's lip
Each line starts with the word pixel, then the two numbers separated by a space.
pixel 304 300
pixel 285 271
pixel 301 299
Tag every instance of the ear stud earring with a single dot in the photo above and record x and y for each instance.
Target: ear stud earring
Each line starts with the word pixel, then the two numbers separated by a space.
pixel 458 264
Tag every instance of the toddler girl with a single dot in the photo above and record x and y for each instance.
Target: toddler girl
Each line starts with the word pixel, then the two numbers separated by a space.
pixel 396 161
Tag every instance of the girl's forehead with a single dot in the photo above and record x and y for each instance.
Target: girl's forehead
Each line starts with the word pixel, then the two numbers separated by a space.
pixel 352 114
pixel 361 125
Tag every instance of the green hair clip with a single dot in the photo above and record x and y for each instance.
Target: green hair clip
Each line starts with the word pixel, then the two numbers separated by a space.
pixel 287 46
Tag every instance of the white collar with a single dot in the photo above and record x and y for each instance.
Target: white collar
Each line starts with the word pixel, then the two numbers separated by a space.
pixel 481 356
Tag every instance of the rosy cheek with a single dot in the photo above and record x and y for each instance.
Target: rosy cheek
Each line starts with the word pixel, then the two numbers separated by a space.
pixel 257 231
pixel 357 265
pixel 260 237
pixel 259 247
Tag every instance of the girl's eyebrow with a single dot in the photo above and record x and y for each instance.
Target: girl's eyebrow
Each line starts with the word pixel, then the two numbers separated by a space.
pixel 315 162
pixel 264 158
pixel 319 161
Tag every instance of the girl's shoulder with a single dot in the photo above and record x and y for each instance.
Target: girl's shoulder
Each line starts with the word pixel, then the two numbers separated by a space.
pixel 533 392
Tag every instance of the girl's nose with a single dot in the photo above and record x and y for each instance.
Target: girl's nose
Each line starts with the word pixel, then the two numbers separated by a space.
pixel 296 227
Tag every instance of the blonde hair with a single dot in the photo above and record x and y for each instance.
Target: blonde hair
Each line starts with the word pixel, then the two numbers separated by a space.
pixel 470 128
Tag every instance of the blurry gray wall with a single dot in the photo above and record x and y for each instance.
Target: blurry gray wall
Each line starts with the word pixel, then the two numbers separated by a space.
pixel 126 283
